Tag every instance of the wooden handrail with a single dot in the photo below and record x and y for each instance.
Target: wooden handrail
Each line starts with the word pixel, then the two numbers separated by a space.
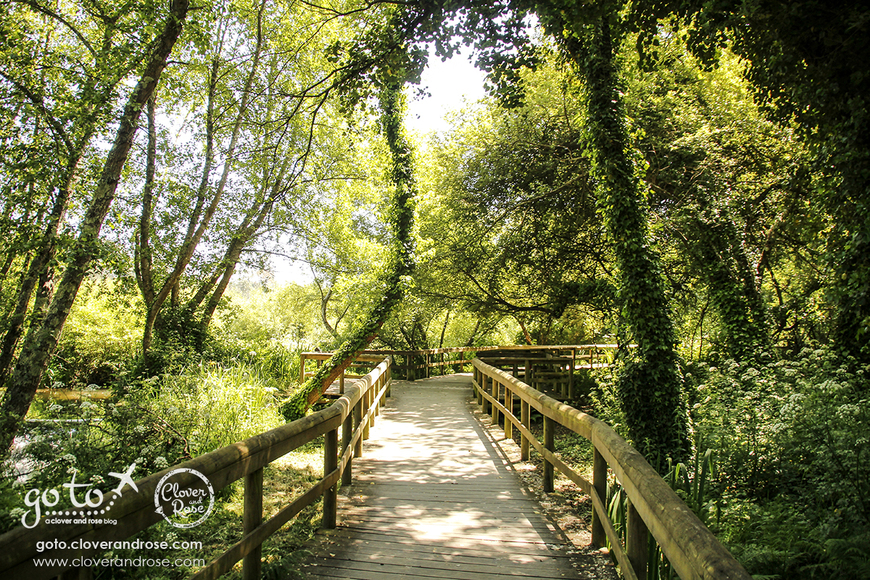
pixel 691 549
pixel 354 412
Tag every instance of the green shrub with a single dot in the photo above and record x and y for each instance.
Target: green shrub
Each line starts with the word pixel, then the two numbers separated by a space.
pixel 792 439
pixel 101 337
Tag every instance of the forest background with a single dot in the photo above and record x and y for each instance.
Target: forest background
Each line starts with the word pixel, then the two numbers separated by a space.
pixel 690 177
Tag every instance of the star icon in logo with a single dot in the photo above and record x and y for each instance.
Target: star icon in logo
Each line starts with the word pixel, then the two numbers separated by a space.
pixel 125 478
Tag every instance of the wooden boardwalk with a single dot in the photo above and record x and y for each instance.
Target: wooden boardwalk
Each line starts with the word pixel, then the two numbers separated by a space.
pixel 433 498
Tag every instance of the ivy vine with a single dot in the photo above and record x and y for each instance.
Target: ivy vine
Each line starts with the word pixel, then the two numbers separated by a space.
pixel 401 260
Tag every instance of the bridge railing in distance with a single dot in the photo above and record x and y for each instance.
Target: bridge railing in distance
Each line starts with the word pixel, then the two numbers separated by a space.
pixel 354 413
pixel 654 508
pixel 360 364
pixel 417 364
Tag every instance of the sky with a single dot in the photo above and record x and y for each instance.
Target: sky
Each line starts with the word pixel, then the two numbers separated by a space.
pixel 452 85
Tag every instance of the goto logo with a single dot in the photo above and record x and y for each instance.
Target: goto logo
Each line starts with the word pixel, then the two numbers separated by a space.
pixel 180 497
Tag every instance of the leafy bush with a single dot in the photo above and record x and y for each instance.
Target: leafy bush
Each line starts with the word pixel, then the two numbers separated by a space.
pixel 791 437
pixel 790 440
pixel 101 336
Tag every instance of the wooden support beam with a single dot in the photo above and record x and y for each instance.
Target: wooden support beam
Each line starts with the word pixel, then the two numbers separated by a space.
pixel 496 387
pixel 330 494
pixel 599 482
pixel 346 435
pixel 549 444
pixel 357 419
pixel 509 404
pixel 251 520
pixel 636 541
pixel 524 419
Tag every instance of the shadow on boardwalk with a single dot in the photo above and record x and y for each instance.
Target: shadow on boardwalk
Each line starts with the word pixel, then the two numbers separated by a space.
pixel 433 498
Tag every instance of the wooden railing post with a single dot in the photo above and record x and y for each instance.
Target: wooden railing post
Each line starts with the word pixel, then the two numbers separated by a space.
pixel 486 404
pixel 636 541
pixel 549 444
pixel 376 388
pixel 480 384
pixel 302 359
pixel 509 405
pixel 599 482
pixel 524 419
pixel 357 419
pixel 375 402
pixel 367 403
pixel 252 518
pixel 496 387
pixel 346 434
pixel 571 374
pixel 528 376
pixel 330 495
pixel 390 379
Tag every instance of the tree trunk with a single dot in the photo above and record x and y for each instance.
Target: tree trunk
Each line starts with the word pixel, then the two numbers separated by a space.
pixel 649 385
pixel 37 272
pixel 143 258
pixel 41 342
pixel 444 330
pixel 324 302
pixel 731 283
pixel 199 222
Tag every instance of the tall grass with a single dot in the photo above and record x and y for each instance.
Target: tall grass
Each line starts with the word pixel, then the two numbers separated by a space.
pixel 215 405
pixel 691 483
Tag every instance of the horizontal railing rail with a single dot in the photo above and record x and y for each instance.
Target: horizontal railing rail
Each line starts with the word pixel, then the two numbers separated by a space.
pixel 653 507
pixel 354 413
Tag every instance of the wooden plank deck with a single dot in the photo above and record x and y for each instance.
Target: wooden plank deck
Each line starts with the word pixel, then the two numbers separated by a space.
pixel 433 498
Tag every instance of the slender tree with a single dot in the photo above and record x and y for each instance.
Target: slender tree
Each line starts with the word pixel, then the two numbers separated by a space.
pixel 41 341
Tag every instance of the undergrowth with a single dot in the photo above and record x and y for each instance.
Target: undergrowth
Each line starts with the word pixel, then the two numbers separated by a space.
pixel 780 471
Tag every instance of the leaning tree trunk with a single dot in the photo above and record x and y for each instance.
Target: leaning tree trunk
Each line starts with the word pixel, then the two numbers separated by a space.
pixel 401 220
pixel 722 260
pixel 38 270
pixel 40 342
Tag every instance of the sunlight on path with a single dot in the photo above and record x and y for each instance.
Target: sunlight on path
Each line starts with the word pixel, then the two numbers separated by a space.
pixel 433 498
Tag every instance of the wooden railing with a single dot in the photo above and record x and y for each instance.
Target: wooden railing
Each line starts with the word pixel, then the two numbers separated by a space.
pixel 653 507
pixel 354 413
pixel 417 364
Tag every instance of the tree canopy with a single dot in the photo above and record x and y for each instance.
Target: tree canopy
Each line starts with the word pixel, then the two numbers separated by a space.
pixel 688 179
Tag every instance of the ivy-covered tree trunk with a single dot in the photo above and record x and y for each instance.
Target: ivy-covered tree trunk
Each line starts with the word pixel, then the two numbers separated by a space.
pixel 649 383
pixel 401 259
pixel 731 286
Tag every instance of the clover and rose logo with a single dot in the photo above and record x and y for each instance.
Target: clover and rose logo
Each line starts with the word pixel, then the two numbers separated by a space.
pixel 184 497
